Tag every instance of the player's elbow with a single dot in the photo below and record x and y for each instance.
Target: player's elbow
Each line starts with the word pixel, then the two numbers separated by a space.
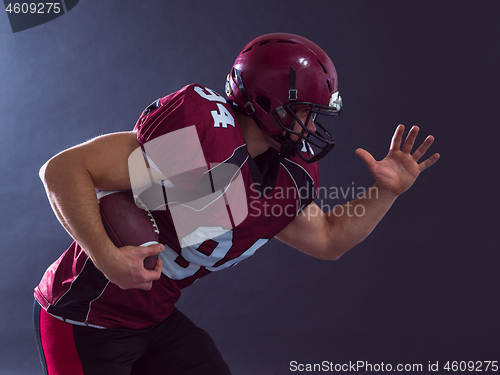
pixel 58 168
pixel 49 172
pixel 328 257
pixel 330 253
pixel 333 256
pixel 42 171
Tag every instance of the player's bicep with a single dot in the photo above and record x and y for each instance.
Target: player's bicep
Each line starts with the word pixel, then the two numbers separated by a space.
pixel 307 232
pixel 104 159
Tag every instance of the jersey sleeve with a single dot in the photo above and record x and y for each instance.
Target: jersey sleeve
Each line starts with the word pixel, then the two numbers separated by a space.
pixel 202 110
pixel 173 112
pixel 184 135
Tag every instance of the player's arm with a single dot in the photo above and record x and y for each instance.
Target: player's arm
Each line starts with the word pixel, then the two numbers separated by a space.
pixel 70 179
pixel 329 235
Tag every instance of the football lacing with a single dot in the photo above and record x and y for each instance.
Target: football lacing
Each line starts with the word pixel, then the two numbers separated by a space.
pixel 145 208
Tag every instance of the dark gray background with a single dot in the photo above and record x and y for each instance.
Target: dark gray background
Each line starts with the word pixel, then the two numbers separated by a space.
pixel 423 287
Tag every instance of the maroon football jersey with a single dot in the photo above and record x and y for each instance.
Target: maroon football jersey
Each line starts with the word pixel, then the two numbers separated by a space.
pixel 216 206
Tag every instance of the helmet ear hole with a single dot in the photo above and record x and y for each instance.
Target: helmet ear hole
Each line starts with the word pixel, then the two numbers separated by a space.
pixel 233 74
pixel 264 103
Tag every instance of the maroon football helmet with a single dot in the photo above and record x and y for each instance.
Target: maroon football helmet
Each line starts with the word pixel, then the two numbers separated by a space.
pixel 276 75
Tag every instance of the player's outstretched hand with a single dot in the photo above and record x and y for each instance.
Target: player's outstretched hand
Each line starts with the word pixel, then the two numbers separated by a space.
pixel 400 168
pixel 125 266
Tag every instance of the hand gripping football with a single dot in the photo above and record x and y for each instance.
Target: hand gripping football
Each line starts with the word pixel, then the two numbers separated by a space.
pixel 127 224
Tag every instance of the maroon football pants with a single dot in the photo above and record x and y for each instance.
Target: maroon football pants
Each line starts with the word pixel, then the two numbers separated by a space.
pixel 176 346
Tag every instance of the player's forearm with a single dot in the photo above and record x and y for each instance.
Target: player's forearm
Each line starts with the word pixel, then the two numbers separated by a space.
pixel 71 193
pixel 352 222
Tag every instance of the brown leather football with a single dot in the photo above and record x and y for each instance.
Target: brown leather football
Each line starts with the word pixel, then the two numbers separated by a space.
pixel 127 224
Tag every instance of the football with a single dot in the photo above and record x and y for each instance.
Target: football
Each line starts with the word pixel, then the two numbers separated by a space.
pixel 127 224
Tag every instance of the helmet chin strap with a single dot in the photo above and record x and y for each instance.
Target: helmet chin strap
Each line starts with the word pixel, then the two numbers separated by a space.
pixel 288 147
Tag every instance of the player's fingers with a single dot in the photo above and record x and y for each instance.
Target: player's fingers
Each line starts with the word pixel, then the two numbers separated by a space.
pixel 423 148
pixel 159 248
pixel 158 268
pixel 366 157
pixel 410 139
pixel 152 248
pixel 427 163
pixel 396 138
pixel 149 254
pixel 153 272
pixel 151 264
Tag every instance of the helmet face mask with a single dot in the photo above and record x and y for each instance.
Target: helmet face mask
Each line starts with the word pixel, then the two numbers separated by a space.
pixel 315 144
pixel 277 75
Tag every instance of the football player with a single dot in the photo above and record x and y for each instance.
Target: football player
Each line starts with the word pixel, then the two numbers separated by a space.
pixel 251 161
